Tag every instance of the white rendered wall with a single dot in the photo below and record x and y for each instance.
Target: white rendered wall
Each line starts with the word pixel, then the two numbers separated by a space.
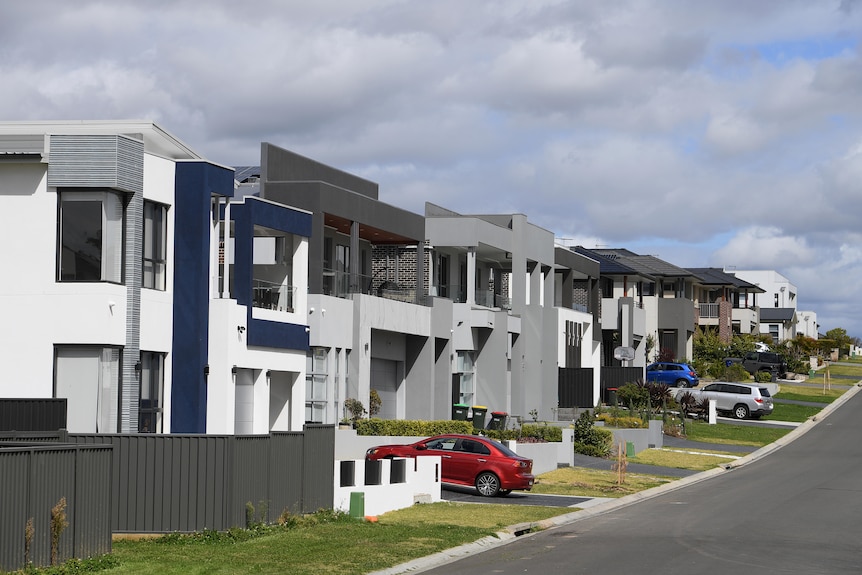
pixel 36 310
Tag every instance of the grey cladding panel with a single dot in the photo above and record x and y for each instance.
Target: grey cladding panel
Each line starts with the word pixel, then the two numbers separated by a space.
pixel 96 161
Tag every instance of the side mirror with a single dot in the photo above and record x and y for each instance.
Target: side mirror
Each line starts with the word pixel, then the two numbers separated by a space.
pixel 421 447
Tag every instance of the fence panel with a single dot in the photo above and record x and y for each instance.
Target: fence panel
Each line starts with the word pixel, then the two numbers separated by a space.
pixel 34 480
pixel 318 468
pixel 616 377
pixel 36 414
pixel 575 387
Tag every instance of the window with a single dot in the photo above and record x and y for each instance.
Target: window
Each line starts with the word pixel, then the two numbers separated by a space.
pixel 152 392
pixel 91 236
pixel 315 385
pixel 155 245
pixel 773 333
pixel 465 377
pixel 88 378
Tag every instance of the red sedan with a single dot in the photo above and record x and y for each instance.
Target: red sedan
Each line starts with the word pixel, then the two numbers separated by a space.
pixel 490 466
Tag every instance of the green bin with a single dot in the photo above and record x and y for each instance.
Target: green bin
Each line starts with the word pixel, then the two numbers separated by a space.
pixel 459 412
pixel 479 413
pixel 498 420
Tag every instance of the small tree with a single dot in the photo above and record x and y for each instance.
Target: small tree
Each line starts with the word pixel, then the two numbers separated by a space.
pixel 58 525
pixel 374 403
pixel 355 408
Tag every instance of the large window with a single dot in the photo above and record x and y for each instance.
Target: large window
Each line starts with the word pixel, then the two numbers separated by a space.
pixel 91 237
pixel 315 385
pixel 151 399
pixel 155 245
pixel 89 378
pixel 464 368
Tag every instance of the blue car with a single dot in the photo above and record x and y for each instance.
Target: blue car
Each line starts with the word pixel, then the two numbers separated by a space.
pixel 673 374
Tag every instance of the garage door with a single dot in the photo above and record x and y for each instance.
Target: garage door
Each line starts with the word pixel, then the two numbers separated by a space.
pixel 384 378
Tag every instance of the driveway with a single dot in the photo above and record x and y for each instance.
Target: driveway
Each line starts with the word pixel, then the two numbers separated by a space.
pixel 469 495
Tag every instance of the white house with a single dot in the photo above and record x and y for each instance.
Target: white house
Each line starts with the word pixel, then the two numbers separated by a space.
pixel 126 294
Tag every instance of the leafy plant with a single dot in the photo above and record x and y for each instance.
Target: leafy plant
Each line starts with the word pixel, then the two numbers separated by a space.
pixel 355 408
pixel 591 440
pixel 634 395
pixel 374 403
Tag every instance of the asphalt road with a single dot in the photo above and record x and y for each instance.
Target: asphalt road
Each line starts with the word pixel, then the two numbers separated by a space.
pixel 795 510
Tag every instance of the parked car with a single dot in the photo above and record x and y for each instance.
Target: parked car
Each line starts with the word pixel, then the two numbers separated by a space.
pixel 488 465
pixel 741 400
pixel 766 361
pixel 673 374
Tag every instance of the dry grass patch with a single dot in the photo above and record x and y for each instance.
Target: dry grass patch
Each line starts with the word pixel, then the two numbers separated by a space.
pixel 594 482
pixel 699 461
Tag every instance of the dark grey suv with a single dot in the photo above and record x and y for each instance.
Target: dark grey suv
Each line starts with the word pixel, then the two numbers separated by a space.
pixel 741 400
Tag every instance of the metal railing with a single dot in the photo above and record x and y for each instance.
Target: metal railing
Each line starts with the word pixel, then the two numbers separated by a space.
pixel 708 310
pixel 270 295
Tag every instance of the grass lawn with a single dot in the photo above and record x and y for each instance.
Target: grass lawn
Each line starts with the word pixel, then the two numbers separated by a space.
pixel 680 459
pixel 791 412
pixel 728 433
pixel 594 482
pixel 324 543
pixel 808 393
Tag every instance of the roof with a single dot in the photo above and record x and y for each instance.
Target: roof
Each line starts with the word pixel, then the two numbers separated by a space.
pixel 156 140
pixel 718 277
pixel 607 265
pixel 776 314
pixel 645 265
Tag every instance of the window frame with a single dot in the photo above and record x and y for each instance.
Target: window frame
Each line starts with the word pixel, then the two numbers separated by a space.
pixel 158 272
pixel 112 231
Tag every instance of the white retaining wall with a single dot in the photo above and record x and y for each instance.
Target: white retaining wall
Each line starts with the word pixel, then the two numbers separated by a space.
pixel 421 485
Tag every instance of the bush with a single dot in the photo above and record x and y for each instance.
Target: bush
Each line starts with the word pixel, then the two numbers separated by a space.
pixel 736 373
pixel 411 427
pixel 542 432
pixel 591 440
pixel 763 377
pixel 621 421
pixel 634 396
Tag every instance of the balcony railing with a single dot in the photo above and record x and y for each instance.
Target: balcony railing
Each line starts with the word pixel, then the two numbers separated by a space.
pixel 343 284
pixel 708 310
pixel 270 295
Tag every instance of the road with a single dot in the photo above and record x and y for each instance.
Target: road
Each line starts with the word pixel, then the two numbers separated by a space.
pixel 797 510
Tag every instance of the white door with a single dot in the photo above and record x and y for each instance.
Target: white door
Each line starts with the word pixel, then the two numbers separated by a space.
pixel 384 378
pixel 244 409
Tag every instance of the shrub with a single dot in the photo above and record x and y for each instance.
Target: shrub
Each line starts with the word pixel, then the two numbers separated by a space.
pixel 411 427
pixel 591 440
pixel 634 396
pixel 541 432
pixel 763 377
pixel 621 421
pixel 735 372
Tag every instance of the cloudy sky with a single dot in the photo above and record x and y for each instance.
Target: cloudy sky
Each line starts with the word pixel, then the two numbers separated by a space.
pixel 721 133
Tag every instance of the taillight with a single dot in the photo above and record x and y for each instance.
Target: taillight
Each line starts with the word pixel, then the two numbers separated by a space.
pixel 758 399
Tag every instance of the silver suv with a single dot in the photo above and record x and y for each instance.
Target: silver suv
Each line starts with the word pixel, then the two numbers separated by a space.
pixel 741 400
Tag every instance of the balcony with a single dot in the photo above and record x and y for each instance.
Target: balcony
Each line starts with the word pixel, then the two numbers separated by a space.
pixel 273 296
pixel 483 297
pixel 343 285
pixel 708 310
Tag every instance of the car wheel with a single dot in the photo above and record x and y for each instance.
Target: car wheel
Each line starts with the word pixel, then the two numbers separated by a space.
pixel 681 383
pixel 740 411
pixel 504 492
pixel 487 484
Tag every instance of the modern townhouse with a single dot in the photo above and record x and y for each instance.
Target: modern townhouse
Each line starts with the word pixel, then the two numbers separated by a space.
pixel 521 343
pixel 429 311
pixel 132 293
pixel 666 294
pixel 725 303
pixel 778 316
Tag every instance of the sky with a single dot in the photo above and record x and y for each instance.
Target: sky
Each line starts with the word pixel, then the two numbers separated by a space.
pixel 716 133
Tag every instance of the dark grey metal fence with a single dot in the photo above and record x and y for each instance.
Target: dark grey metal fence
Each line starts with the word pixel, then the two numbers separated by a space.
pixel 166 483
pixel 616 377
pixel 33 479
pixel 575 387
pixel 32 414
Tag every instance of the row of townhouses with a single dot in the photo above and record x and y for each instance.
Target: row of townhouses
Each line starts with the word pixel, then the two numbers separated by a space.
pixel 159 292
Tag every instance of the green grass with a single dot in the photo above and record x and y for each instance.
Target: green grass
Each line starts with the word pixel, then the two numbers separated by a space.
pixel 728 433
pixel 679 459
pixel 809 393
pixel 594 482
pixel 791 412
pixel 848 370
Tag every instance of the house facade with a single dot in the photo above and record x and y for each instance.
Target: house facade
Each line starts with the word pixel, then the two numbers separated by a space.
pixel 116 300
pixel 778 317
pixel 725 303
